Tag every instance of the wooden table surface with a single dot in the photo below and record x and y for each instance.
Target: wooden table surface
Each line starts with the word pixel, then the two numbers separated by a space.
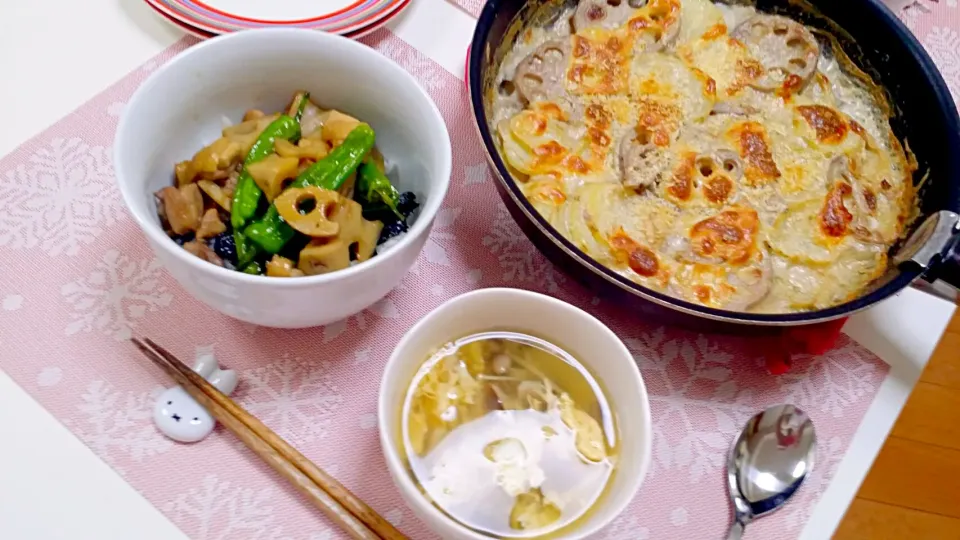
pixel 913 489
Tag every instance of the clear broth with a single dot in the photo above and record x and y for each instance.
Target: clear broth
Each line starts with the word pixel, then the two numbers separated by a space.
pixel 515 423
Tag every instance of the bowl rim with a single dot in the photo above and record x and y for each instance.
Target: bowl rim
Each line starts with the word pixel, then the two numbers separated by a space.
pixel 386 417
pixel 328 44
pixel 479 53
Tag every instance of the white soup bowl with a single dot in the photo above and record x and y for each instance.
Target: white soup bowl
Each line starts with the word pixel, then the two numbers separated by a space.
pixel 568 327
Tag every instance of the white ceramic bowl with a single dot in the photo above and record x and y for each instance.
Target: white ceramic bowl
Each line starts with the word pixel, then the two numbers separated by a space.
pixel 180 108
pixel 568 327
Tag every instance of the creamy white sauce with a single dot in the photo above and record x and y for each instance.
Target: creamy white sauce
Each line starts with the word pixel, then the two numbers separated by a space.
pixel 845 93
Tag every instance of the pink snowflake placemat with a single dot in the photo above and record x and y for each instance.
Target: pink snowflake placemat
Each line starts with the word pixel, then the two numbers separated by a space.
pixel 78 279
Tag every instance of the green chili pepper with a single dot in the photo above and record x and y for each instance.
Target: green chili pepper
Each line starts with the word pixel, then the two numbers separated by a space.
pixel 246 250
pixel 253 268
pixel 270 232
pixel 246 197
pixel 374 187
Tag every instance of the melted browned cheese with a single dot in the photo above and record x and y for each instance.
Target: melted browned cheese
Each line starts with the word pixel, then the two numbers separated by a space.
pixel 772 201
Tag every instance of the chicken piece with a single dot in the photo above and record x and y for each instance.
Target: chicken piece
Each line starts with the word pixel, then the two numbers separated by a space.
pixel 210 225
pixel 202 250
pixel 539 76
pixel 182 207
pixel 282 267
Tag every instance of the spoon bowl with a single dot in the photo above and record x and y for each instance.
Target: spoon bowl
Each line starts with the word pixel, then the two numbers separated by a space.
pixel 769 460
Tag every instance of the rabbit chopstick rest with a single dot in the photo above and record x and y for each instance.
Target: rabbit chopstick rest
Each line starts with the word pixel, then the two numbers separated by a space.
pixel 179 416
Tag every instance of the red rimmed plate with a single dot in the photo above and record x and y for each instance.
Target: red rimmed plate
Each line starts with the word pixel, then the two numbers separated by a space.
pixel 336 16
pixel 206 34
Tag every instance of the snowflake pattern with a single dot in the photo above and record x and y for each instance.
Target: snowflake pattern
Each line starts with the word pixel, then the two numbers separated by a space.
pixel 943 44
pixel 12 302
pixel 115 423
pixel 626 527
pixel 418 64
pixel 520 262
pixel 442 233
pixel 219 510
pixel 475 174
pixel 385 308
pixel 117 294
pixel 691 386
pixel 849 377
pixel 296 398
pixel 60 199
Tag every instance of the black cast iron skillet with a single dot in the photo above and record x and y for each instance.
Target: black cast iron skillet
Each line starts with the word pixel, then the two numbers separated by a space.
pixel 923 115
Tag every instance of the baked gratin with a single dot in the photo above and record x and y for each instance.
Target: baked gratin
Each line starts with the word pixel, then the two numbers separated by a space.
pixel 714 153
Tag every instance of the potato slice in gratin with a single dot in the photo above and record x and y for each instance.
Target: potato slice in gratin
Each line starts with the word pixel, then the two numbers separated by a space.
pixel 709 151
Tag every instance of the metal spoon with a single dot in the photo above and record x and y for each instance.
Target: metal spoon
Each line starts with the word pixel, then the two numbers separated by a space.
pixel 768 462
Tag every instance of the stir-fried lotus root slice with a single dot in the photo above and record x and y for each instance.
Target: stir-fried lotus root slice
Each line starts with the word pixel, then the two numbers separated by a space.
pixel 321 257
pixel 787 50
pixel 308 210
pixel 539 76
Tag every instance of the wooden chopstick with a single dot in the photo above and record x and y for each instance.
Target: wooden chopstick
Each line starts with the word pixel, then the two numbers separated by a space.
pixel 324 491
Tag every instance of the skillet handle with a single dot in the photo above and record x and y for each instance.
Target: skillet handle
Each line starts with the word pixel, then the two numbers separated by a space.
pixel 935 248
pixel 943 278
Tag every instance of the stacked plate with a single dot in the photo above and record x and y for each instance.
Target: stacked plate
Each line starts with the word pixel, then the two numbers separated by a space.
pixel 208 18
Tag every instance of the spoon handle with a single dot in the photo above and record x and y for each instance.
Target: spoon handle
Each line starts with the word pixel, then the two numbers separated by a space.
pixel 736 530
